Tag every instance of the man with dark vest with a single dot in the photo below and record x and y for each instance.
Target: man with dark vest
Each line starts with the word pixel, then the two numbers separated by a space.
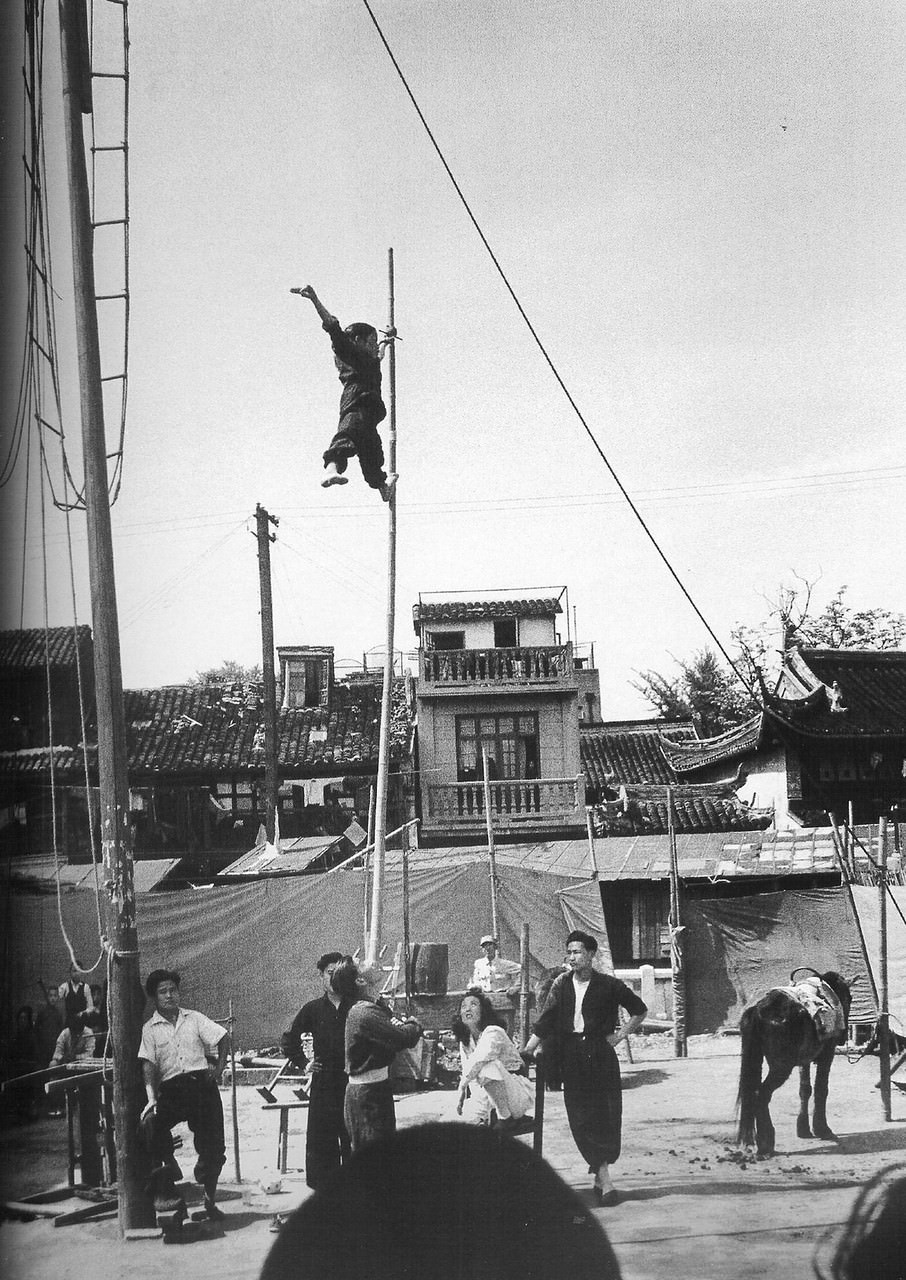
pixel 580 1023
pixel 324 1019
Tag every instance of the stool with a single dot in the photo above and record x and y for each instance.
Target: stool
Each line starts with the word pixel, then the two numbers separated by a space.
pixel 283 1131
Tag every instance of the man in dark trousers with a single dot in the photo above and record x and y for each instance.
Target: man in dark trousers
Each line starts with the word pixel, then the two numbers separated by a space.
pixel 324 1019
pixel 580 1024
pixel 183 1054
pixel 357 355
pixel 373 1039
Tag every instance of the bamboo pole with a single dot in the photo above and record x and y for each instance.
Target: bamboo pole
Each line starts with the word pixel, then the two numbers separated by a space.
pixel 884 993
pixel 407 949
pixel 524 985
pixel 233 1098
pixel 678 976
pixel 373 949
pixel 492 856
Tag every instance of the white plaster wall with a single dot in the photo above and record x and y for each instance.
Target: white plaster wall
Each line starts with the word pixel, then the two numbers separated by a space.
pixel 766 785
pixel 536 631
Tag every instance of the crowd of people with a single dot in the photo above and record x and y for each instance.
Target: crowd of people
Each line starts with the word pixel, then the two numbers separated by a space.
pixel 466 1192
pixel 70 1026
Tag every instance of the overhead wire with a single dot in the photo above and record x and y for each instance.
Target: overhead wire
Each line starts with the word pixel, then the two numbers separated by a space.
pixel 157 597
pixel 52 764
pixel 553 368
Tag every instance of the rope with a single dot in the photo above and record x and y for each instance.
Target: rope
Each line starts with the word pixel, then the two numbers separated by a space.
pixel 553 368
pixel 83 723
pixel 53 783
pixel 40 354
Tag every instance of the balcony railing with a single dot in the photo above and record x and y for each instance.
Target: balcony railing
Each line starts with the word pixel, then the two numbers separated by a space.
pixel 534 802
pixel 523 665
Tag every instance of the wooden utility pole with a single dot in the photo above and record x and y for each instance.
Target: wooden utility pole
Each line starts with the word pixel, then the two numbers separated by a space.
pixel 677 964
pixel 265 538
pixel 373 950
pixel 492 853
pixel 883 985
pixel 125 994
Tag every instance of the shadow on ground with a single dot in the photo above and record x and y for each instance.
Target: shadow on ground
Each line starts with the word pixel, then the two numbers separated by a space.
pixel 716 1187
pixel 892 1138
pixel 651 1075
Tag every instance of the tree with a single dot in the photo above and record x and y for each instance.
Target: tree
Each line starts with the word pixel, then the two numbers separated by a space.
pixel 703 691
pixel 790 621
pixel 706 691
pixel 229 672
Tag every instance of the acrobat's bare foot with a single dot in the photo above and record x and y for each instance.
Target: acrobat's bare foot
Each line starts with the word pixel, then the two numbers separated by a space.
pixel 333 476
pixel 387 487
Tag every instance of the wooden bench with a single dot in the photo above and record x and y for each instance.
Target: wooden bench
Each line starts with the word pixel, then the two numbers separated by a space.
pixel 283 1130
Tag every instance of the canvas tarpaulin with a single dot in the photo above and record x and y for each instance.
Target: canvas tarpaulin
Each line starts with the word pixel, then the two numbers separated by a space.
pixel 736 949
pixel 257 944
pixel 868 911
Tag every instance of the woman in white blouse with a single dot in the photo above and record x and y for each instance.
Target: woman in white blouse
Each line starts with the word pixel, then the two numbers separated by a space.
pixel 491 1068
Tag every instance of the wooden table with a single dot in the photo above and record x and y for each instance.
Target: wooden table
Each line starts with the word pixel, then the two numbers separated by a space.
pixel 283 1129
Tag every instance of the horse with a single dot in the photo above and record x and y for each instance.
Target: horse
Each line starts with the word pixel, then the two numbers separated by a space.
pixel 781 1031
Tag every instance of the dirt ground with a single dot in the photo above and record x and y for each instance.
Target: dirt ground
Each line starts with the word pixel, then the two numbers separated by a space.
pixel 689 1207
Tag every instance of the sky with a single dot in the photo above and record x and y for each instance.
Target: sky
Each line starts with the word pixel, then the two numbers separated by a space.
pixel 699 207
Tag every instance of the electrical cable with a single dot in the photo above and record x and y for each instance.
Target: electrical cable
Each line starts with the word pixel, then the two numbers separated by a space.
pixel 51 754
pixel 553 368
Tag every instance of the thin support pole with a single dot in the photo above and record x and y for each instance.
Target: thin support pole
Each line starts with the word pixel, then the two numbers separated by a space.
pixel 589 827
pixel 524 985
pixel 372 951
pixel 492 856
pixel 233 1098
pixel 366 868
pixel 678 974
pixel 884 992
pixel 407 948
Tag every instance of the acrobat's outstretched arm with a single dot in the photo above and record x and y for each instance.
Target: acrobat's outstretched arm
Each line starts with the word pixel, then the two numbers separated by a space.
pixel 308 292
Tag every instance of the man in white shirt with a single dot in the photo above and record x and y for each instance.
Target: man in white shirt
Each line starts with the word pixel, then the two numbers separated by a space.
pixel 492 973
pixel 183 1054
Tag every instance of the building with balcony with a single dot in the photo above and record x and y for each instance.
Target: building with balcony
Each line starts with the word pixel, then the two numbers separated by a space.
pixel 497 683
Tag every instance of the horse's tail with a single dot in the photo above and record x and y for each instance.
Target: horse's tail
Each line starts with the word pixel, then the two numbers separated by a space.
pixel 750 1060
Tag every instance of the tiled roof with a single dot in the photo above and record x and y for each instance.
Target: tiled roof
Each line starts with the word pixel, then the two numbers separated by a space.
pixel 687 756
pixel 643 810
pixel 629 751
pixel 756 854
pixel 872 686
pixel 34 761
pixel 26 651
pixel 186 730
pixel 472 610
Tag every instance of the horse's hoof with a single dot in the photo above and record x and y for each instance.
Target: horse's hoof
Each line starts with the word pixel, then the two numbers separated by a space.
pixel 803 1130
pixel 827 1134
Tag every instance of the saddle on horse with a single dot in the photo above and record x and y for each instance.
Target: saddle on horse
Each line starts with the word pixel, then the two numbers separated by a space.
pixel 821 1003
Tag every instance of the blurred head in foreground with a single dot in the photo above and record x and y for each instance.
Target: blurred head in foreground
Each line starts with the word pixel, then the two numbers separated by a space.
pixel 872 1244
pixel 449 1201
